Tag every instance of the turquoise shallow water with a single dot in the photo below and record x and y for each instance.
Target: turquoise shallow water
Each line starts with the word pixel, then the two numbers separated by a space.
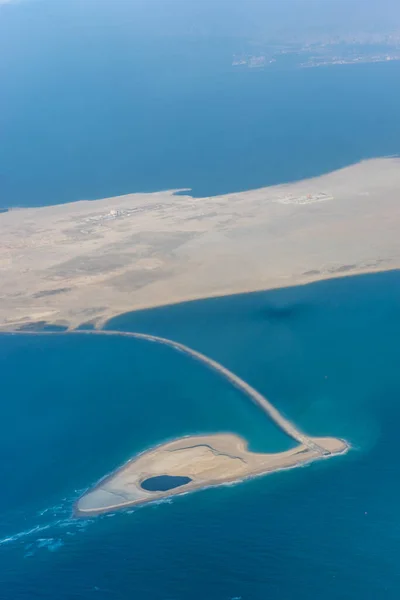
pixel 75 408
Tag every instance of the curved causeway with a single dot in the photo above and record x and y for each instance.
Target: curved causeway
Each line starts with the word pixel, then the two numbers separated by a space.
pixel 205 460
pixel 289 428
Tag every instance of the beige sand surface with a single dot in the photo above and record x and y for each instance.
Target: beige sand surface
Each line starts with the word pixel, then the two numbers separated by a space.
pixel 208 460
pixel 86 261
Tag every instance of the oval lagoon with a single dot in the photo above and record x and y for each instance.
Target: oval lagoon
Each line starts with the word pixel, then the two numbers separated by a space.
pixel 163 483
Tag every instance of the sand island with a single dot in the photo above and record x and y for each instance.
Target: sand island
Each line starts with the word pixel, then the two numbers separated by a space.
pixel 91 260
pixel 191 463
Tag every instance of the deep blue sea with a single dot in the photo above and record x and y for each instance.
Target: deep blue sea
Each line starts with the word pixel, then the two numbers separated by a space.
pixel 74 408
pixel 92 107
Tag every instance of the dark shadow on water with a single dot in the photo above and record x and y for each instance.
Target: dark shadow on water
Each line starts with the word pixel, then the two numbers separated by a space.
pixel 281 311
pixel 276 305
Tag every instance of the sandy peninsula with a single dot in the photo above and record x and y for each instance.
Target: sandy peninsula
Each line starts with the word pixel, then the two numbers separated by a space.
pixel 91 260
pixel 204 460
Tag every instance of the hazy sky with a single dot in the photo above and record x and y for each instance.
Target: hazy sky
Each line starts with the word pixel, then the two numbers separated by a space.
pixel 257 15
pixel 249 18
pixel 253 17
pixel 31 26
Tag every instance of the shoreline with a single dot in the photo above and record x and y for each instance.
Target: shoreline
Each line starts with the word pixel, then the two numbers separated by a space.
pixel 147 498
pixel 90 261
pixel 320 279
pixel 100 326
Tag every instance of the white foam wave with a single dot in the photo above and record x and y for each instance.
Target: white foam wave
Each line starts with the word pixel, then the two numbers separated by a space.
pixel 160 501
pixel 51 544
pixel 26 533
pixel 65 524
